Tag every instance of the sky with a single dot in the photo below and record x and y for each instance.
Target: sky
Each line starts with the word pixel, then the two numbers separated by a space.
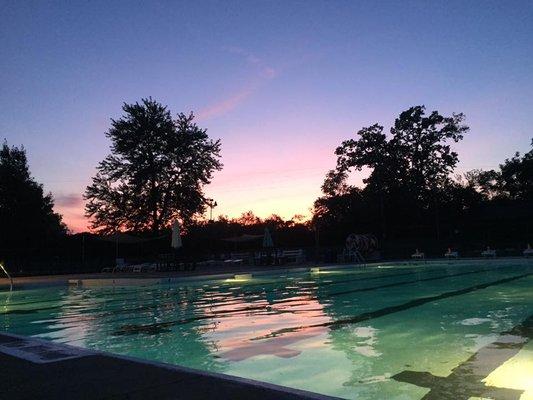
pixel 281 83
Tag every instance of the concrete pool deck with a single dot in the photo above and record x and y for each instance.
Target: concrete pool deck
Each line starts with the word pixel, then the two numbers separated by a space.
pixel 38 369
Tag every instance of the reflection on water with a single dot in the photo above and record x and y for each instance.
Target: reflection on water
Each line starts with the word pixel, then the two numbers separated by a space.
pixel 366 334
pixel 234 335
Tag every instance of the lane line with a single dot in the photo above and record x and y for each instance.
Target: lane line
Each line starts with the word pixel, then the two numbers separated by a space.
pixel 393 309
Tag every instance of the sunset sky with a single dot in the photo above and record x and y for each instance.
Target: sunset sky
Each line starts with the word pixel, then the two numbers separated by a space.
pixel 280 83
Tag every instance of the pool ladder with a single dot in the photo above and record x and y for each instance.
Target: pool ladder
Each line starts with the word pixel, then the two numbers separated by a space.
pixel 8 276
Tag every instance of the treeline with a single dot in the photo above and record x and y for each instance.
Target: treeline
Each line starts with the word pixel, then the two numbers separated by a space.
pixel 209 236
pixel 412 199
pixel 158 166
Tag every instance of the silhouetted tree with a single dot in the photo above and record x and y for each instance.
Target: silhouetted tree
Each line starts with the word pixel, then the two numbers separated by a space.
pixel 155 172
pixel 247 218
pixel 513 181
pixel 26 213
pixel 408 169
pixel 417 157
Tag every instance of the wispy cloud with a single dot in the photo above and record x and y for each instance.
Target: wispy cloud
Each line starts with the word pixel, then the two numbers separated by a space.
pixel 251 59
pixel 226 105
pixel 68 200
pixel 262 72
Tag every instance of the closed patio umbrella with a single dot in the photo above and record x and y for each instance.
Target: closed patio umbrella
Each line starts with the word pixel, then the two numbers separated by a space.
pixel 268 244
pixel 176 238
pixel 267 239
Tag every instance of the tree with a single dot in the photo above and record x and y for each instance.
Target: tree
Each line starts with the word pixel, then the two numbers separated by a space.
pixel 516 176
pixel 417 156
pixel 26 213
pixel 155 172
pixel 408 169
pixel 513 181
pixel 248 218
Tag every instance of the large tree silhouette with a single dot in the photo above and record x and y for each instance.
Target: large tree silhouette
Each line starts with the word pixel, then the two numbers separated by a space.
pixel 155 172
pixel 28 219
pixel 409 169
pixel 417 156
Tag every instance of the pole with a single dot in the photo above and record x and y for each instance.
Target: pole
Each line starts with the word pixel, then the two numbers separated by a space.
pixel 211 204
pixel 83 249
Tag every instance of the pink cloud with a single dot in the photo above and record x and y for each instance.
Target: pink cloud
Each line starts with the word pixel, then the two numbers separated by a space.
pixel 71 208
pixel 68 200
pixel 224 106
pixel 263 72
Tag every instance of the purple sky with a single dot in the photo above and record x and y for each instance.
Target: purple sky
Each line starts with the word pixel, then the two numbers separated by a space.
pixel 281 83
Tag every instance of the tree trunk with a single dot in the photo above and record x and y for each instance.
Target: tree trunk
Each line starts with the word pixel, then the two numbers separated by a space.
pixel 382 215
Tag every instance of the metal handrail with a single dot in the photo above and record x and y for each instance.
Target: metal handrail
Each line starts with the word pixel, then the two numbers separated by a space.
pixel 8 276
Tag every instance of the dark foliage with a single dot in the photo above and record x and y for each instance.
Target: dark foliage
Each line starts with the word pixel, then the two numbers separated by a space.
pixel 410 197
pixel 155 172
pixel 206 236
pixel 514 180
pixel 27 217
pixel 159 166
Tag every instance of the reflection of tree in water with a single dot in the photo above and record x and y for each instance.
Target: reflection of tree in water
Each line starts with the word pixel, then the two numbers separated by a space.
pixel 156 333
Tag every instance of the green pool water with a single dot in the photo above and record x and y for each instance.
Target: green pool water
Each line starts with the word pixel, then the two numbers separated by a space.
pixel 460 329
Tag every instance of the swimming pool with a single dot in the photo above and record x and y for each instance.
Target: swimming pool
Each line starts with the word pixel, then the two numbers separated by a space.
pixel 438 330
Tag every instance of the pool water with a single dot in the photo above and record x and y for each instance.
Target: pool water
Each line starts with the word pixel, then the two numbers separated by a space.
pixel 455 330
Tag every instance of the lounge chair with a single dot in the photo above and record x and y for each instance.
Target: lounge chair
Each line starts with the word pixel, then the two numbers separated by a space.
pixel 120 265
pixel 237 258
pixel 451 254
pixel 297 255
pixel 528 252
pixel 488 253
pixel 418 255
pixel 210 262
pixel 167 262
pixel 144 266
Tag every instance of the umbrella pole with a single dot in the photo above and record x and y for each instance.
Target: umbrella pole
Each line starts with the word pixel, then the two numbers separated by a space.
pixel 83 250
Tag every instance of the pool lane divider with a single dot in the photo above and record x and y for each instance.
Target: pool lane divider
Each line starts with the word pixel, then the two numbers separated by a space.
pixel 163 326
pixel 122 299
pixel 79 283
pixel 388 285
pixel 394 309
pixel 160 327
pixel 465 380
pixel 123 290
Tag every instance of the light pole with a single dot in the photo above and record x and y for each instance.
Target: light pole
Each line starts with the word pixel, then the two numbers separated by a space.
pixel 211 204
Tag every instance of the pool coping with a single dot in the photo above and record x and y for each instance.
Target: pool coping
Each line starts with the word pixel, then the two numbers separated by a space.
pixel 173 381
